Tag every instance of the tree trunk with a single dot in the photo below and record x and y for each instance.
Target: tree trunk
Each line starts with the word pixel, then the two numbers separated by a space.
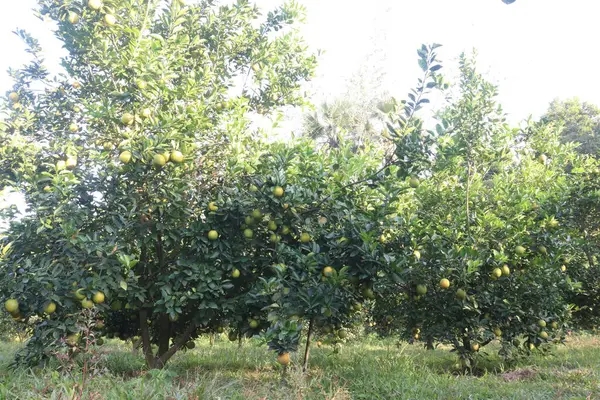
pixel 307 349
pixel 164 334
pixel 146 345
pixel 429 345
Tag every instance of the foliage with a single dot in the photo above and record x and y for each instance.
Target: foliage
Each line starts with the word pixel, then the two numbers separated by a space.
pixel 580 122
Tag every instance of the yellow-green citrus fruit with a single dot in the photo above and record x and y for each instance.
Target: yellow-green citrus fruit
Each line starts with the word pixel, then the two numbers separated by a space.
pixel 304 237
pixel 368 293
pixel 110 20
pixel 497 272
pixel 73 17
pixel 444 283
pixel 71 162
pixel 278 191
pixel 73 127
pixel 421 290
pixel 72 339
pixel 253 324
pixel 235 273
pixel 272 226
pixel 213 235
pixel 256 214
pixel 542 323
pixel 141 84
pixel 498 332
pixel 414 182
pixel 461 294
pixel 505 270
pixel 86 303
pixel 328 271
pixel 212 206
pixel 95 4
pixel 146 113
pixel 544 335
pixel 520 250
pixel 116 305
pixel 98 297
pixel 159 161
pixel 125 157
pixel 127 119
pixel 475 347
pixel 50 308
pixel 12 306
pixel 248 233
pixel 176 157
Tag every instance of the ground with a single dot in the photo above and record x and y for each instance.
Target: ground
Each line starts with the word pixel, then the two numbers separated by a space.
pixel 369 369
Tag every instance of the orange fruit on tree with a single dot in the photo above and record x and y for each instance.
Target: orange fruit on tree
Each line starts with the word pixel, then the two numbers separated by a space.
pixel 125 157
pixel 95 4
pixel 12 306
pixel 50 308
pixel 98 297
pixel 159 161
pixel 176 157
pixel 283 359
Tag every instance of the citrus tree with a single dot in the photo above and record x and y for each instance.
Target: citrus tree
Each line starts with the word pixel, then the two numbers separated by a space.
pixel 581 213
pixel 317 230
pixel 480 237
pixel 127 163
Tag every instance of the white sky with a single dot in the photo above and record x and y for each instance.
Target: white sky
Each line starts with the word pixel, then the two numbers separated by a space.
pixel 536 50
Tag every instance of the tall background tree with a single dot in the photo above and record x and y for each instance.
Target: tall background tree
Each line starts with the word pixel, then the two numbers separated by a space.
pixel 580 122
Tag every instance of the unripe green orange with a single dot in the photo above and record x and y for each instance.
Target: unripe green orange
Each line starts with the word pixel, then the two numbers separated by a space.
pixel 125 157
pixel 12 306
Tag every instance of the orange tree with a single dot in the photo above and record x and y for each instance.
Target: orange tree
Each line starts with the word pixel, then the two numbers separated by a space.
pixel 124 161
pixel 314 215
pixel 582 215
pixel 480 238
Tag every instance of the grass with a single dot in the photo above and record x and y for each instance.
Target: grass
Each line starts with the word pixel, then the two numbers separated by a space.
pixel 370 369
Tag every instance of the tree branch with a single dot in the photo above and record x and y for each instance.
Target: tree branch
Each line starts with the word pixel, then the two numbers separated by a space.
pixel 162 360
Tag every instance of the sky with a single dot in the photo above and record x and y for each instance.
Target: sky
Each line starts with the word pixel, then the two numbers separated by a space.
pixel 535 50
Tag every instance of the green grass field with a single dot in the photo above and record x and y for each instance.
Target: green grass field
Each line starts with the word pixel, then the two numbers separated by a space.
pixel 370 369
